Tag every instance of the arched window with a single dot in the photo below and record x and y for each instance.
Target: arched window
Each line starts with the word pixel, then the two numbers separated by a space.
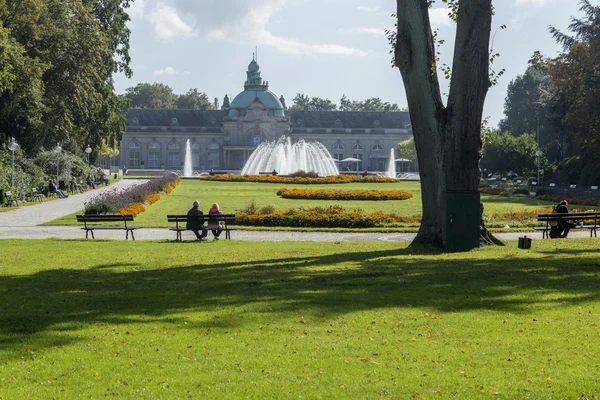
pixel 377 147
pixel 196 155
pixel 154 155
pixel 358 153
pixel 174 158
pixel 214 155
pixel 134 154
pixel 338 152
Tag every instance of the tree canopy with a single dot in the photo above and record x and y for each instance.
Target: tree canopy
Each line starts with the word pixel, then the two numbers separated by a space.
pixel 159 95
pixel 303 102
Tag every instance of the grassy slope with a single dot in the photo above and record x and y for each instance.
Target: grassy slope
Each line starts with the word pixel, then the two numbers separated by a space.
pixel 286 320
pixel 234 196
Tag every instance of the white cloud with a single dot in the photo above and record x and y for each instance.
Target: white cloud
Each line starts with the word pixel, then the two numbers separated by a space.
pixel 378 32
pixel 137 9
pixel 244 21
pixel 168 24
pixel 439 17
pixel 169 71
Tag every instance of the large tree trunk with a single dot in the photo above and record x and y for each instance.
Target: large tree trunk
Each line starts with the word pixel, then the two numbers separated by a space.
pixel 448 138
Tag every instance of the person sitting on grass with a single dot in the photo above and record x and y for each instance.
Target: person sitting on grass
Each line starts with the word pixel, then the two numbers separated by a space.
pixel 274 173
pixel 213 224
pixel 196 225
pixel 53 188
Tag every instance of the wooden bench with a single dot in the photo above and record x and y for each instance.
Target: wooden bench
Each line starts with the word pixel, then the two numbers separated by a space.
pixel 96 218
pixel 35 196
pixel 587 220
pixel 182 219
pixel 11 200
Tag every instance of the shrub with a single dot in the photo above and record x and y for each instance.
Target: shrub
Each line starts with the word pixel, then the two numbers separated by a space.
pixel 130 200
pixel 521 191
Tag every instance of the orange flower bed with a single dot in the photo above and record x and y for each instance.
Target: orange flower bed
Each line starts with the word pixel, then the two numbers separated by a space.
pixel 152 198
pixel 343 194
pixel 133 209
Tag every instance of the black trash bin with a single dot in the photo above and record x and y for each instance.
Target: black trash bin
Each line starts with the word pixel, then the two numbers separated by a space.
pixel 62 185
pixel 524 242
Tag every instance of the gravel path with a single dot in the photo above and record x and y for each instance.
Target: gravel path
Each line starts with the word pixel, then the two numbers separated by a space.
pixel 22 222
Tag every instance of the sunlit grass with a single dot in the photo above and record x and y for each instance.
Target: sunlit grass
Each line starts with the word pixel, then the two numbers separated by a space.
pixel 97 319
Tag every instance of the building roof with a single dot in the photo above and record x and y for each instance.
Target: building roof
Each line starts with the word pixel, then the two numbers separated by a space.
pixel 164 117
pixel 349 119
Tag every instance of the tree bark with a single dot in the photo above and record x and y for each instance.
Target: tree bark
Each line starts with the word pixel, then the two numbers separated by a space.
pixel 447 139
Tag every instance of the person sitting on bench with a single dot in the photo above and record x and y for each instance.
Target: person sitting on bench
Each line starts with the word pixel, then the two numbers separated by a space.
pixel 562 227
pixel 53 188
pixel 213 224
pixel 196 226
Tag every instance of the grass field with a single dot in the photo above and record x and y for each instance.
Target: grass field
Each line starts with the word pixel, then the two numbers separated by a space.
pixel 235 196
pixel 218 320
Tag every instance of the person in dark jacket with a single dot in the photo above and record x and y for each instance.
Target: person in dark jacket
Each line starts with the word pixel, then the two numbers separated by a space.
pixel 196 226
pixel 562 227
pixel 53 188
pixel 213 224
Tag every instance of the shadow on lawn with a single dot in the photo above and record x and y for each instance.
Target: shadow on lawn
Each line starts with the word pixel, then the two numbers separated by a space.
pixel 304 285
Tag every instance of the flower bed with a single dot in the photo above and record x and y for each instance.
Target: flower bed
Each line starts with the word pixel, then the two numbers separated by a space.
pixel 298 179
pixel 331 217
pixel 131 200
pixel 344 194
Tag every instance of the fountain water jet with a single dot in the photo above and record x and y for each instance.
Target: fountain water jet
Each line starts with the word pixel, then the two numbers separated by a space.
pixel 391 169
pixel 287 158
pixel 187 165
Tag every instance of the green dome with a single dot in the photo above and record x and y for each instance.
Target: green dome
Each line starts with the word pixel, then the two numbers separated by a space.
pixel 254 88
pixel 243 100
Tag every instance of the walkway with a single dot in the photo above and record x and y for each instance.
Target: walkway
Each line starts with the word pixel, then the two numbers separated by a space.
pixel 22 223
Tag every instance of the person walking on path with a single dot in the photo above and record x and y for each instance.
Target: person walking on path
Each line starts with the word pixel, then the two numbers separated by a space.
pixel 196 225
pixel 213 224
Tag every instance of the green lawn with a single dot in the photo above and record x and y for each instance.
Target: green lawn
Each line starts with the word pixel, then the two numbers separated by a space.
pixel 218 320
pixel 234 196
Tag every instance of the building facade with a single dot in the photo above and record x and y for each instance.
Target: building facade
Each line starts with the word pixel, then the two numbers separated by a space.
pixel 224 139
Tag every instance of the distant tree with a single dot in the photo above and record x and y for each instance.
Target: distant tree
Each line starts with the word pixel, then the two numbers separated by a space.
pixel 576 88
pixel 151 95
pixel 504 152
pixel 194 100
pixel 319 104
pixel 301 103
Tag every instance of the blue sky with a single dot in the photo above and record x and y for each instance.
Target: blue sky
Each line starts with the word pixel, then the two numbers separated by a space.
pixel 321 48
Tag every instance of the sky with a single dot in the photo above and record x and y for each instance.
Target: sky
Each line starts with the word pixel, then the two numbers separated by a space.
pixel 320 48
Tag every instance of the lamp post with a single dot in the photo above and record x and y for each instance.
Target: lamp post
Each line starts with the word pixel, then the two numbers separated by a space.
pixel 13 146
pixel 538 153
pixel 58 149
pixel 88 150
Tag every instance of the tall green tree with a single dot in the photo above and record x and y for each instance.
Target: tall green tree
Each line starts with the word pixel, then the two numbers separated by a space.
pixel 575 79
pixel 72 48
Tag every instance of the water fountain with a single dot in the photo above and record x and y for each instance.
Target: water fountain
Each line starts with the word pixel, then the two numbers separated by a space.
pixel 187 164
pixel 286 158
pixel 391 169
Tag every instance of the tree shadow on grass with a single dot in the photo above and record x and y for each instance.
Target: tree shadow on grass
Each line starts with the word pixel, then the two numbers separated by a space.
pixel 327 286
